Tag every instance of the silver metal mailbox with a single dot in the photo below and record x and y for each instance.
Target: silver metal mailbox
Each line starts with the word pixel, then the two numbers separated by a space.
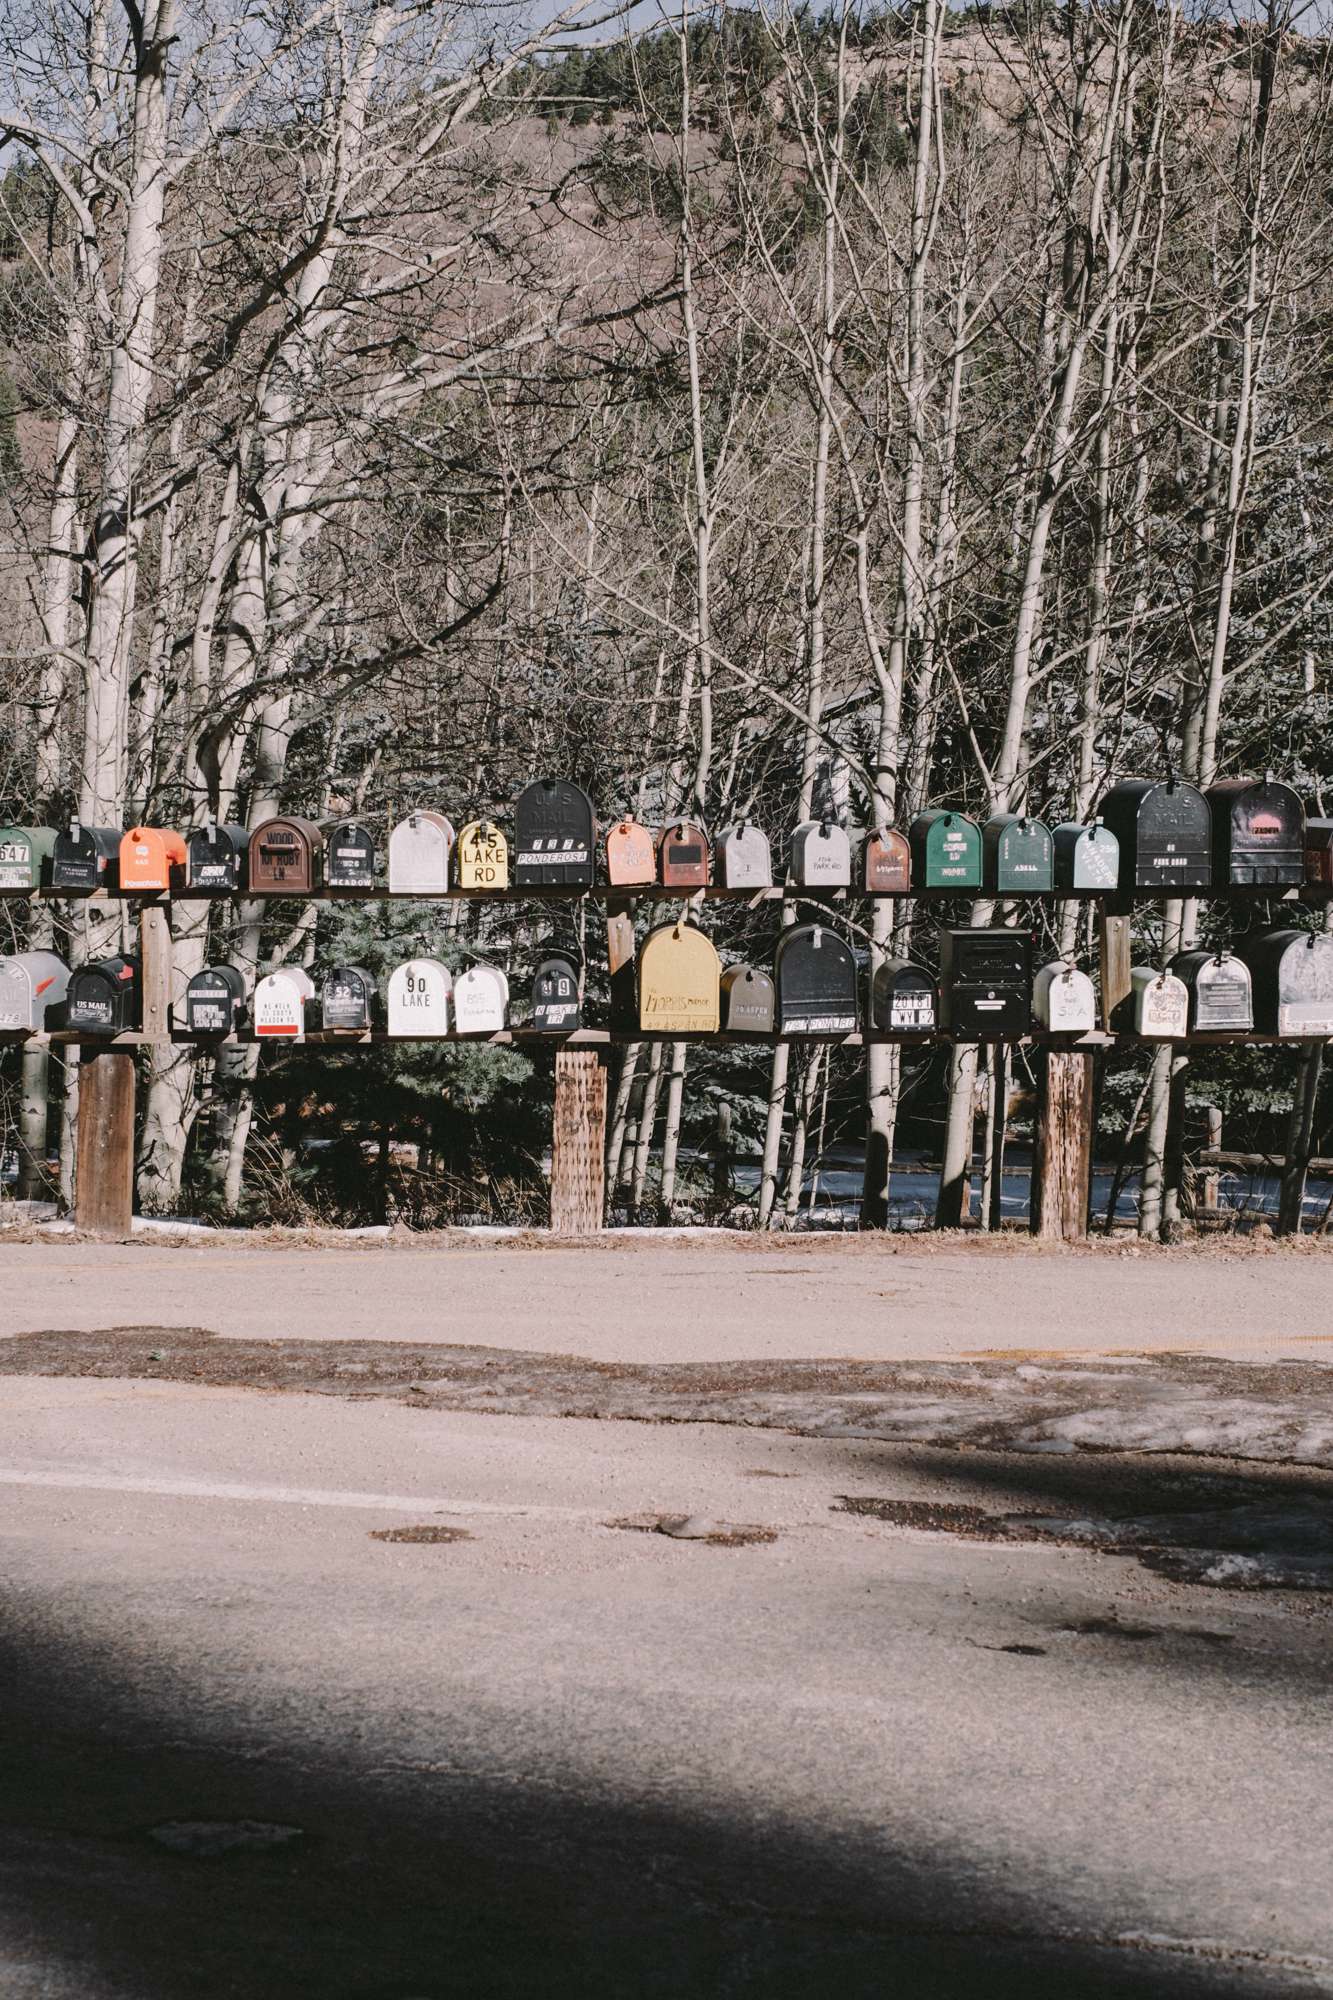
pixel 1064 1001
pixel 32 985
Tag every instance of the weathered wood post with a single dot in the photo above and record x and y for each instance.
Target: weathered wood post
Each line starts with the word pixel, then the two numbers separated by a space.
pixel 1062 1157
pixel 104 1183
pixel 1115 952
pixel 578 1173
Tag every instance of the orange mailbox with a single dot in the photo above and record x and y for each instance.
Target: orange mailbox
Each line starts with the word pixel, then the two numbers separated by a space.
pixel 630 854
pixel 151 858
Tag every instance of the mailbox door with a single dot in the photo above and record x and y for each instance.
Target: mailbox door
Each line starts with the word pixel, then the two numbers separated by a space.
pixel 1096 859
pixel 1222 999
pixel 345 1002
pixel 750 1000
pixel 1063 1000
pixel 479 1001
pixel 631 857
pixel 218 861
pixel 80 860
pixel 745 857
pixel 555 835
pixel 888 864
pixel 419 850
pixel 1020 859
pixel 482 856
pixel 143 860
pixel 816 982
pixel 419 996
pixel 103 999
pixel 555 997
pixel 349 856
pixel 214 1001
pixel 679 981
pixel 684 856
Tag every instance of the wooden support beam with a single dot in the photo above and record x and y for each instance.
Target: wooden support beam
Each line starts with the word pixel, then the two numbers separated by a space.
pixel 1115 951
pixel 155 969
pixel 104 1187
pixel 1062 1163
pixel 578 1174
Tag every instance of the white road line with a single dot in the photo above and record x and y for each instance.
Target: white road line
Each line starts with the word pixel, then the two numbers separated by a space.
pixel 293 1496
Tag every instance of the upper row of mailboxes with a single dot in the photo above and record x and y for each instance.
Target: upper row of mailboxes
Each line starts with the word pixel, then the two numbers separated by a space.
pixel 1160 837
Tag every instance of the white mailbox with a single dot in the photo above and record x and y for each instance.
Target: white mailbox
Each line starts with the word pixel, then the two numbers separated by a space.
pixel 1063 1000
pixel 744 857
pixel 1160 1004
pixel 419 851
pixel 481 1000
pixel 280 1003
pixel 821 855
pixel 31 983
pixel 419 996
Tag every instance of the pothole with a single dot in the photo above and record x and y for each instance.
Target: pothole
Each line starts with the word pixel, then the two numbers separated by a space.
pixel 933 1516
pixel 428 1532
pixel 698 1528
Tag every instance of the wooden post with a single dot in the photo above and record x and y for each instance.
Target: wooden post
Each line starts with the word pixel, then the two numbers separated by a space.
pixel 1115 952
pixel 104 1184
pixel 1300 1138
pixel 1062 1157
pixel 578 1175
pixel 155 967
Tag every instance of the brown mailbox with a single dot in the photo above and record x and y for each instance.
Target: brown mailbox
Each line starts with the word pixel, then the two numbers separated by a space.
pixel 888 863
pixel 151 858
pixel 631 858
pixel 286 857
pixel 684 857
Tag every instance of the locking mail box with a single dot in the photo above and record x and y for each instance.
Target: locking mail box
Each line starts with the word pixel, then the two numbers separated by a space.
pixel 821 855
pixel 349 855
pixel 217 859
pixel 748 1001
pixel 679 981
pixel 1291 975
pixel 1258 835
pixel 904 999
pixel 482 856
pixel 348 998
pixel 814 971
pixel 419 996
pixel 1319 853
pixel 1017 856
pixel 152 859
pixel 745 859
pixel 215 1001
pixel 281 1000
pixel 25 857
pixel 555 996
pixel 1218 985
pixel 888 863
pixel 85 858
pixel 986 984
pixel 1157 1005
pixel 286 857
pixel 1165 835
pixel 420 848
pixel 555 836
pixel 1087 858
pixel 631 855
pixel 1063 1000
pixel 684 857
pixel 32 990
pixel 946 852
pixel 481 1000
pixel 103 998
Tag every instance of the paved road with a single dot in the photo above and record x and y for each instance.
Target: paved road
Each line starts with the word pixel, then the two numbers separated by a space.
pixel 564 1757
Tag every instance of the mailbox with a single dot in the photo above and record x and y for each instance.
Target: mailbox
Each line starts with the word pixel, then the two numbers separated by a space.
pixel 482 856
pixel 215 1001
pixel 25 856
pixel 1319 853
pixel 286 857
pixel 986 984
pixel 814 972
pixel 32 986
pixel 748 1001
pixel 904 999
pixel 821 855
pixel 679 981
pixel 946 852
pixel 1218 985
pixel 1291 975
pixel 1017 856
pixel 481 1000
pixel 349 855
pixel 217 858
pixel 348 999
pixel 103 998
pixel 1063 1000
pixel 684 857
pixel 84 858
pixel 555 835
pixel 1258 835
pixel 631 855
pixel 888 863
pixel 1087 858
pixel 281 999
pixel 555 996
pixel 419 851
pixel 152 858
pixel 744 857
pixel 1157 1005
pixel 419 996
pixel 1165 835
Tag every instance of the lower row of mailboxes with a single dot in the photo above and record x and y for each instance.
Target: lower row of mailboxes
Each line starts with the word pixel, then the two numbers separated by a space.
pixel 1275 982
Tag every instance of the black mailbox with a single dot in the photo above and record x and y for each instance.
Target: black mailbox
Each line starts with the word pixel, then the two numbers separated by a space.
pixel 215 1001
pixel 904 999
pixel 1258 835
pixel 748 1002
pixel 555 996
pixel 1291 974
pixel 86 858
pixel 1218 985
pixel 555 835
pixel 348 998
pixel 103 997
pixel 1165 834
pixel 986 984
pixel 217 859
pixel 349 855
pixel 815 976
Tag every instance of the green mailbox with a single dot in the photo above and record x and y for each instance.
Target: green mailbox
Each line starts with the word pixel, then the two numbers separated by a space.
pixel 1018 856
pixel 25 856
pixel 946 851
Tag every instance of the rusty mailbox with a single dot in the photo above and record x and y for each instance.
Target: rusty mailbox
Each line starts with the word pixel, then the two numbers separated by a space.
pixel 887 863
pixel 680 981
pixel 282 1000
pixel 631 855
pixel 1165 834
pixel 103 998
pixel 555 836
pixel 420 849
pixel 744 857
pixel 419 995
pixel 821 855
pixel 1017 856
pixel 152 859
pixel 349 855
pixel 481 1001
pixel 1087 858
pixel 904 999
pixel 1258 835
pixel 481 856
pixel 749 1004
pixel 814 971
pixel 1064 1001
pixel 1291 974
pixel 85 858
pixel 286 857
pixel 25 857
pixel 1219 989
pixel 555 995
pixel 217 859
pixel 348 999
pixel 32 990
pixel 684 856
pixel 215 1001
